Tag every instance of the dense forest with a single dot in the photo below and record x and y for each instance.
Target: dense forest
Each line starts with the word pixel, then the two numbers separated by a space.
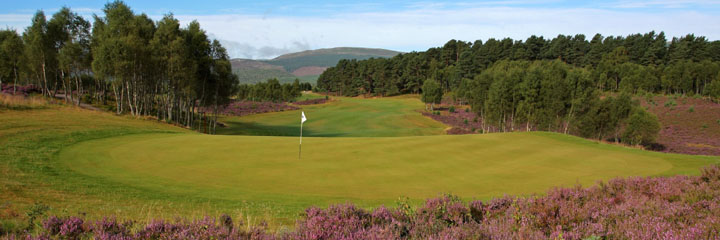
pixel 272 90
pixel 140 66
pixel 647 62
pixel 566 84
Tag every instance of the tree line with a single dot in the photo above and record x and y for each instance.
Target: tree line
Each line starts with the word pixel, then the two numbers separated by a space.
pixel 272 90
pixel 566 84
pixel 550 95
pixel 638 62
pixel 140 66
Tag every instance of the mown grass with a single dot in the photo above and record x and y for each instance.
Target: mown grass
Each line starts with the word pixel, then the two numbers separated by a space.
pixel 342 117
pixel 97 164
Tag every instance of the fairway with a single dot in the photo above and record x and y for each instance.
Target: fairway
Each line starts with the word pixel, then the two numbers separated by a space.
pixel 101 164
pixel 365 171
pixel 342 117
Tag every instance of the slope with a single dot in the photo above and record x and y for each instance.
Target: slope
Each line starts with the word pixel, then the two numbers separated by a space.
pixel 306 65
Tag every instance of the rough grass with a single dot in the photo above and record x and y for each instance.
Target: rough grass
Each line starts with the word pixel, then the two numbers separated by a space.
pixel 20 102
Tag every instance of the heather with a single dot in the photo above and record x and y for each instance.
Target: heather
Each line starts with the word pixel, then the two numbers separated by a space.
pixel 460 121
pixel 19 90
pixel 677 207
pixel 690 125
pixel 312 101
pixel 244 108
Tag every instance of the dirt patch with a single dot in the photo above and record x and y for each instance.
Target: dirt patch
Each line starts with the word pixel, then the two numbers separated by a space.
pixel 689 125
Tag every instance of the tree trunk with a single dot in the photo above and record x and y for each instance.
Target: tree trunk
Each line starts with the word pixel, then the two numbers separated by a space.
pixel 15 81
pixel 46 89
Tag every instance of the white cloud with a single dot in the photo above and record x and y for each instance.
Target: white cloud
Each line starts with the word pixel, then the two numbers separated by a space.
pixel 419 28
pixel 663 3
pixel 423 28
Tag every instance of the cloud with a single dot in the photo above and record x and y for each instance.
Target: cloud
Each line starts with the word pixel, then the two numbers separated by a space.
pixel 421 25
pixel 422 28
pixel 245 50
pixel 663 3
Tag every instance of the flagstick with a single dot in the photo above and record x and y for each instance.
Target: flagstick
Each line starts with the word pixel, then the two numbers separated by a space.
pixel 300 146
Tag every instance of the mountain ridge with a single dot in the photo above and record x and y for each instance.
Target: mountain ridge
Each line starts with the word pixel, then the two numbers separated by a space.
pixel 305 65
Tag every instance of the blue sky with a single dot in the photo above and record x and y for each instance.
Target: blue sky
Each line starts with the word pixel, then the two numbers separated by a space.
pixel 265 29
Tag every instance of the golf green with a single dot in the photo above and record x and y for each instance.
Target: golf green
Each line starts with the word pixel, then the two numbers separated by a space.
pixel 365 171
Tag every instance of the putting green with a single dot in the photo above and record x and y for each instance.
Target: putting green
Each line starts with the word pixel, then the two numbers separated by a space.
pixel 365 171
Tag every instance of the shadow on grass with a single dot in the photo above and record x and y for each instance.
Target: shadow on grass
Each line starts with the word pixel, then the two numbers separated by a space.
pixel 256 129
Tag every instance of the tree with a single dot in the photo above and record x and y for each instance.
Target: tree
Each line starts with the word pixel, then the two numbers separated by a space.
pixel 11 55
pixel 431 93
pixel 39 51
pixel 642 128
pixel 713 89
pixel 72 42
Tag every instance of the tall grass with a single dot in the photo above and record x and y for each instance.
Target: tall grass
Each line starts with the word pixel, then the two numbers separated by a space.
pixel 19 102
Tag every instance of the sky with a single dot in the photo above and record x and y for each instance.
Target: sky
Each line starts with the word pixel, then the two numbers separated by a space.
pixel 266 29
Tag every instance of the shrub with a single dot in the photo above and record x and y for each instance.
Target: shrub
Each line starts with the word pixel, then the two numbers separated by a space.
pixel 467 110
pixel 451 109
pixel 691 109
pixel 670 103
pixel 466 121
pixel 34 212
pixel 713 89
pixel 642 128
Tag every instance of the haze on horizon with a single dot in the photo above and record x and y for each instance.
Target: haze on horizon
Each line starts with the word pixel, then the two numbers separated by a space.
pixel 272 28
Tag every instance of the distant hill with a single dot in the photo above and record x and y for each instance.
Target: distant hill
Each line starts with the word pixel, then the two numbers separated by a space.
pixel 305 65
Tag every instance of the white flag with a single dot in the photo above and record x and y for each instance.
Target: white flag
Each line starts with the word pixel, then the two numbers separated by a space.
pixel 303 119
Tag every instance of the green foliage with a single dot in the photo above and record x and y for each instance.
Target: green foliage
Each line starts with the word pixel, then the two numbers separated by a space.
pixel 635 63
pixel 671 104
pixel 11 56
pixel 431 92
pixel 271 90
pixel 603 118
pixel 451 109
pixel 404 204
pixel 691 109
pixel 35 212
pixel 642 128
pixel 713 89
